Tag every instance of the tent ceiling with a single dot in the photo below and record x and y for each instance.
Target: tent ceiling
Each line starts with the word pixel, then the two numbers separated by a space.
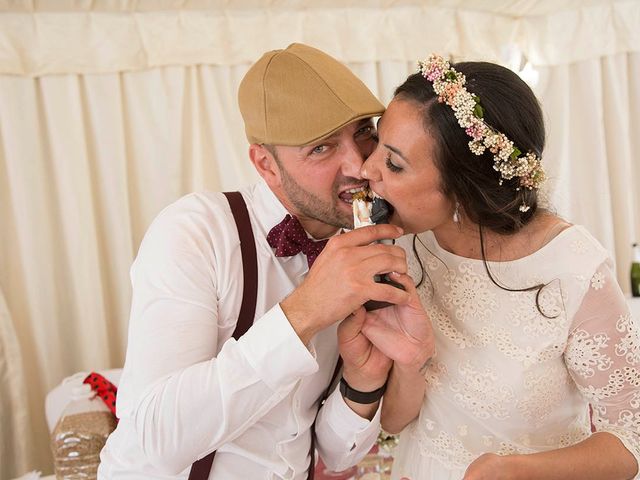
pixel 514 8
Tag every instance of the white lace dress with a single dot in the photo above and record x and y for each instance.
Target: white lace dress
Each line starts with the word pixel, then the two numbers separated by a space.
pixel 505 379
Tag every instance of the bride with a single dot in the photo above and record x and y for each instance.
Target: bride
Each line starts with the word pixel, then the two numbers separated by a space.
pixel 536 371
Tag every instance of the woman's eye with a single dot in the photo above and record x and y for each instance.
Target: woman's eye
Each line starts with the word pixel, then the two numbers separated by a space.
pixel 390 165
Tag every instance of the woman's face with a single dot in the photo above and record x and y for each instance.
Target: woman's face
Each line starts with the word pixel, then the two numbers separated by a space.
pixel 402 170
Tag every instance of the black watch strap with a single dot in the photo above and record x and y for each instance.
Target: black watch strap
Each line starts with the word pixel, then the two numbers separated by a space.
pixel 358 396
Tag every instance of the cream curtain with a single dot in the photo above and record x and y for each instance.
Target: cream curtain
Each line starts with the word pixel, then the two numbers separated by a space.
pixel 111 110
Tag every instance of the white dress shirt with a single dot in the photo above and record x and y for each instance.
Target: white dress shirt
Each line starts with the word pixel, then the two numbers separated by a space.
pixel 188 388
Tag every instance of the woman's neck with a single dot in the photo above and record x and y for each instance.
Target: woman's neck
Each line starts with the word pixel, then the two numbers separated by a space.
pixel 463 238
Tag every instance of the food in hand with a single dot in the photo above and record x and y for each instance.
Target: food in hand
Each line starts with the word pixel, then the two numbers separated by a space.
pixel 369 209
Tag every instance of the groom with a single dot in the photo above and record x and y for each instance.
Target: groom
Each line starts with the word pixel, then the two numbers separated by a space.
pixel 187 388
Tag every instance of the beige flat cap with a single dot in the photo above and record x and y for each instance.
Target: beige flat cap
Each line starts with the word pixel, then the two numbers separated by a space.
pixel 300 95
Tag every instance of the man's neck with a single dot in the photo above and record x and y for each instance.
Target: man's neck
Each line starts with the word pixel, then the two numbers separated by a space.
pixel 317 229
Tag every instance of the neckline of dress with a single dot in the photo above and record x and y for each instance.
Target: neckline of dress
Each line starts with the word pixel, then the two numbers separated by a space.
pixel 541 250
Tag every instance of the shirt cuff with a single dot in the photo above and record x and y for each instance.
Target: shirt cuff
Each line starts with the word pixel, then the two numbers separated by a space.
pixel 344 437
pixel 345 421
pixel 276 353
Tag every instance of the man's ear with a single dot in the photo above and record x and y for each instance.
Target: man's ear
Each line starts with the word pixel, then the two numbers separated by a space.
pixel 265 164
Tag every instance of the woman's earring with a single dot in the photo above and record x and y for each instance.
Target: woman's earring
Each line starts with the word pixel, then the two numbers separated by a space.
pixel 456 213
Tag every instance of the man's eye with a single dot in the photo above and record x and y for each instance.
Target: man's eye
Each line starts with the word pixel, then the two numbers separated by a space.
pixel 368 131
pixel 319 149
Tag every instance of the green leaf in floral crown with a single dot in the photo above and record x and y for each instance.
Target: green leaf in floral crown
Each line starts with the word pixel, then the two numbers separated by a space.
pixel 451 75
pixel 516 153
pixel 478 111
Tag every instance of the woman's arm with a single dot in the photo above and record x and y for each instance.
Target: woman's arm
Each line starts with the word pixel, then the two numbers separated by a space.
pixel 603 358
pixel 602 456
pixel 404 334
pixel 402 401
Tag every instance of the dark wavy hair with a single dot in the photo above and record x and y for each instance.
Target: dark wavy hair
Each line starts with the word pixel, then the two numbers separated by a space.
pixel 510 107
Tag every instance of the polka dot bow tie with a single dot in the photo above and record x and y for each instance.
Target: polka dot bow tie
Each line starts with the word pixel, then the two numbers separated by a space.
pixel 288 238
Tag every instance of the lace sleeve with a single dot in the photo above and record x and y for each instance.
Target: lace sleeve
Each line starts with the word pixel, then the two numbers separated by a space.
pixel 603 357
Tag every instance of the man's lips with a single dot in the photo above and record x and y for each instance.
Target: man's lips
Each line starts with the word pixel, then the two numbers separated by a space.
pixel 346 195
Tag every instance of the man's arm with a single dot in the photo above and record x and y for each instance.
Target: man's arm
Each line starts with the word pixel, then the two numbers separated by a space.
pixel 183 396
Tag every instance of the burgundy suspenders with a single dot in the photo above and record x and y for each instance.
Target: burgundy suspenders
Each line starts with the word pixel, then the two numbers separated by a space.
pixel 200 469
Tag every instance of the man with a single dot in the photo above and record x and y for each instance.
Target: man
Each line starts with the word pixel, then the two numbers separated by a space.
pixel 187 388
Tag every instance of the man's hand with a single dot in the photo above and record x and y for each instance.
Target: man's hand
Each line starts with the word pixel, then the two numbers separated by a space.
pixel 341 279
pixel 402 332
pixel 365 367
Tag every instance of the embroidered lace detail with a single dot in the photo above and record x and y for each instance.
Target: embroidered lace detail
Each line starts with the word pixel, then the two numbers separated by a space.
pixel 508 380
pixel 545 390
pixel 445 448
pixel 460 338
pixel 575 434
pixel 526 312
pixel 507 448
pixel 578 246
pixel 597 281
pixel 613 387
pixel 433 263
pixel 583 353
pixel 582 283
pixel 468 294
pixel 434 374
pixel 527 355
pixel 632 376
pixel 629 345
pixel 480 392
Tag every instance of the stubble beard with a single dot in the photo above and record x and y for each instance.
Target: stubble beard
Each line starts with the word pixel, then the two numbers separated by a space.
pixel 312 206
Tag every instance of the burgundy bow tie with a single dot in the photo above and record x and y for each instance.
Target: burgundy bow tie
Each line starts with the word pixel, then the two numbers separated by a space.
pixel 289 238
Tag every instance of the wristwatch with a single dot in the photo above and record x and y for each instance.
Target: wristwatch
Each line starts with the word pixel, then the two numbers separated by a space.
pixel 361 397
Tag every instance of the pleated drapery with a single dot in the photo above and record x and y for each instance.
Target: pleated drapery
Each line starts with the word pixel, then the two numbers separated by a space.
pixel 111 110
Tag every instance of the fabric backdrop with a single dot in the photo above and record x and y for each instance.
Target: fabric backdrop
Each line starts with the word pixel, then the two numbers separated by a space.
pixel 110 110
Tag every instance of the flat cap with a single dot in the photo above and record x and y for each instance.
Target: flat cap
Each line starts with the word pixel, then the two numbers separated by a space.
pixel 300 95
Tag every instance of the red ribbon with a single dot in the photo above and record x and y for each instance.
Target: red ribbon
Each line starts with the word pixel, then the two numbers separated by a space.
pixel 104 389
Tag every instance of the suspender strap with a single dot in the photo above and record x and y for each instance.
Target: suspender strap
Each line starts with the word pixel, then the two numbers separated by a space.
pixel 200 469
pixel 249 263
pixel 312 465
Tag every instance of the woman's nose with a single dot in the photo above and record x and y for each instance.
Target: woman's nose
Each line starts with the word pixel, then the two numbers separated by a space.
pixel 368 171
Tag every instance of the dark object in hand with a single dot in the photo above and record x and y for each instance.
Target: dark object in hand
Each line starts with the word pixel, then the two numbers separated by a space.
pixel 380 212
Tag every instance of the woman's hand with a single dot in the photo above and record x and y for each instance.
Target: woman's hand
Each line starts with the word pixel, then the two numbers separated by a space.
pixel 402 332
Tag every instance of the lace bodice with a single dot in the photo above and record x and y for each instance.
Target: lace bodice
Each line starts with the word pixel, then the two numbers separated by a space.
pixel 509 378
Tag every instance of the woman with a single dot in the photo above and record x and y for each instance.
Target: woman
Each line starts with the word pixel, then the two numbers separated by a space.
pixel 535 347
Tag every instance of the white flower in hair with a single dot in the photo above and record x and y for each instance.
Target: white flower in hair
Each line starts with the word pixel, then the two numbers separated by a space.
pixel 508 160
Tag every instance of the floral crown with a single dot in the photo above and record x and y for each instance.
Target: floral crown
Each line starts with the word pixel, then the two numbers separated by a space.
pixel 507 158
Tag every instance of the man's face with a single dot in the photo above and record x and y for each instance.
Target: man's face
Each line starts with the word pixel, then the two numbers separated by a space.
pixel 318 180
